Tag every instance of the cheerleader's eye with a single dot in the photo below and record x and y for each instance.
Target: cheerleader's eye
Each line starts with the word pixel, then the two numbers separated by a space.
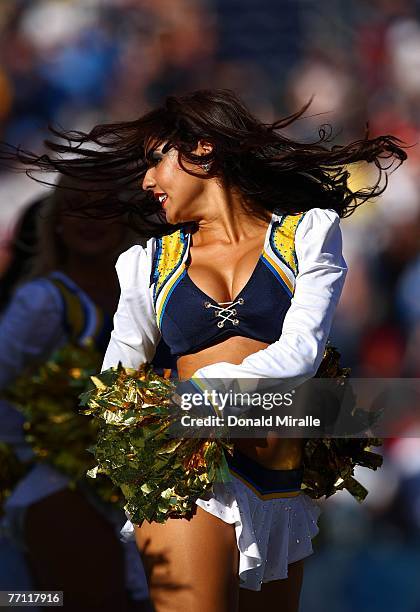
pixel 153 159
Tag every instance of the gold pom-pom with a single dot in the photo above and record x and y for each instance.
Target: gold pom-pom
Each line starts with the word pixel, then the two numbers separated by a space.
pixel 160 476
pixel 329 462
pixel 48 397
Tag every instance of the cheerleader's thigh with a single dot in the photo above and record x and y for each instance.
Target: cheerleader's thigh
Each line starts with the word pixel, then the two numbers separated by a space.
pixel 191 565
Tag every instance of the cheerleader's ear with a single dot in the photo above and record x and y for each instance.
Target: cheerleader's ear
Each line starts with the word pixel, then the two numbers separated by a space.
pixel 204 148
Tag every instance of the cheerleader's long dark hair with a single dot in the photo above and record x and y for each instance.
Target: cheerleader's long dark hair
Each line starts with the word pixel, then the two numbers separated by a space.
pixel 266 167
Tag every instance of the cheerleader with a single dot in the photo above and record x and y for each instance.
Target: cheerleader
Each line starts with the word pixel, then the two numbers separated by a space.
pixel 56 299
pixel 241 279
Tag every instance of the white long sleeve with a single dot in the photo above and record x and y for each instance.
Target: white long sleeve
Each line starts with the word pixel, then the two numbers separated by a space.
pixel 135 335
pixel 296 356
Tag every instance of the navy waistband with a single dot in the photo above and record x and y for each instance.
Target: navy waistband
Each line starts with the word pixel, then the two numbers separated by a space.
pixel 264 481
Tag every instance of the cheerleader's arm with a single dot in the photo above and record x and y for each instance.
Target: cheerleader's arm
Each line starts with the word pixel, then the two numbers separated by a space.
pixel 135 335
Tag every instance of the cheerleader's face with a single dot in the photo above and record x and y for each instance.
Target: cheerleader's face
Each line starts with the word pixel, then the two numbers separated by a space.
pixel 181 195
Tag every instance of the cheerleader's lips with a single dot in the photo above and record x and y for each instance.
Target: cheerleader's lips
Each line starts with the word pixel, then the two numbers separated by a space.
pixel 162 197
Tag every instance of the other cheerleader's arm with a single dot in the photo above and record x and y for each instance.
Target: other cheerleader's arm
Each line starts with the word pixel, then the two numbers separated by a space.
pixel 30 328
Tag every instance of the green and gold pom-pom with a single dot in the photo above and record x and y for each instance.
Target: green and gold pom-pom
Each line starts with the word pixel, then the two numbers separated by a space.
pixel 329 463
pixel 48 397
pixel 160 476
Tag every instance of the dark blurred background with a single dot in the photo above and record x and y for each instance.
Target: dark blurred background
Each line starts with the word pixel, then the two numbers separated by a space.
pixel 75 63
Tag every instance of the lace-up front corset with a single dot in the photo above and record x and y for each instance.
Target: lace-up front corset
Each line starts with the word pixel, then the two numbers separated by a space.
pixel 190 320
pixel 226 312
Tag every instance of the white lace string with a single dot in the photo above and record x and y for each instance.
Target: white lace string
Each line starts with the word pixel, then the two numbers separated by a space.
pixel 221 311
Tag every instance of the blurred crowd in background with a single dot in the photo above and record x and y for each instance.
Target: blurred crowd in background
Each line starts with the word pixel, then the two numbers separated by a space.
pixel 76 63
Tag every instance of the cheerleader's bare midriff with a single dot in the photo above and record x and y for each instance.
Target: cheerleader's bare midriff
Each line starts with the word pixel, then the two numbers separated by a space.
pixel 271 452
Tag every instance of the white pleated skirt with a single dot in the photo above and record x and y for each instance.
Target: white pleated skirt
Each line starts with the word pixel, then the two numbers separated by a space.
pixel 270 533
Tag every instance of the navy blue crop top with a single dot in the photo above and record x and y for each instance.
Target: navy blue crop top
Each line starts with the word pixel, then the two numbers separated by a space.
pixel 190 320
